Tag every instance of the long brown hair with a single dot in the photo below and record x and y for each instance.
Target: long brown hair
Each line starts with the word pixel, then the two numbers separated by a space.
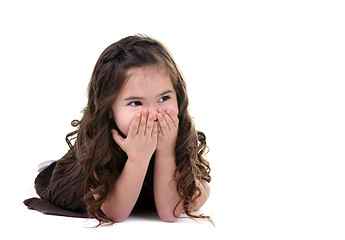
pixel 95 148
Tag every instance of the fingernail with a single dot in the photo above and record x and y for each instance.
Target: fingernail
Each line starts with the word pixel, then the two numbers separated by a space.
pixel 168 111
pixel 160 115
pixel 138 114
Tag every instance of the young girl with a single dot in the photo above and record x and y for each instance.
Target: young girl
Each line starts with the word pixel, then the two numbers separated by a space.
pixel 136 144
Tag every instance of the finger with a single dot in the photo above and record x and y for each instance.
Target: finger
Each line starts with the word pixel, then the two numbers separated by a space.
pixel 173 117
pixel 143 120
pixel 133 128
pixel 163 124
pixel 154 130
pixel 150 123
pixel 117 138
pixel 168 120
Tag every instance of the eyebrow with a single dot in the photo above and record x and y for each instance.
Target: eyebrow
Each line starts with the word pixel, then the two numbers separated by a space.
pixel 138 98
pixel 166 92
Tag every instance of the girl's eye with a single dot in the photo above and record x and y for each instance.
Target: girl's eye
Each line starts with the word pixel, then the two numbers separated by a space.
pixel 162 99
pixel 135 103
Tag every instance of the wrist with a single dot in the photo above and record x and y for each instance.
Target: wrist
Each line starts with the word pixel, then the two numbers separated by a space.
pixel 165 153
pixel 138 160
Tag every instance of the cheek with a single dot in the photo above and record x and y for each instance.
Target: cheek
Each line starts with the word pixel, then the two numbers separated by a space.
pixel 123 119
pixel 174 107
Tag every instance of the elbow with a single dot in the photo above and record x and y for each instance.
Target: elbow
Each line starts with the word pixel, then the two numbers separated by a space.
pixel 116 216
pixel 119 218
pixel 167 217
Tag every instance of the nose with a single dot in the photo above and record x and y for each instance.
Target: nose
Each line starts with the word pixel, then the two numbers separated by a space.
pixel 153 111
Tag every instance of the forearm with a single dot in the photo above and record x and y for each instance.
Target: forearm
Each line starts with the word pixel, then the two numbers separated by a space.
pixel 205 193
pixel 125 191
pixel 165 187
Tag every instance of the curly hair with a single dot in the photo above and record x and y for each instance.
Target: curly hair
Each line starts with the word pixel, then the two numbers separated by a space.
pixel 95 148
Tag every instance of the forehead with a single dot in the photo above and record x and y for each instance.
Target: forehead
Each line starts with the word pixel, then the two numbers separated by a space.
pixel 148 79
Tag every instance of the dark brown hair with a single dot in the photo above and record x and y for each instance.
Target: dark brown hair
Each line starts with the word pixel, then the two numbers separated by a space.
pixel 98 152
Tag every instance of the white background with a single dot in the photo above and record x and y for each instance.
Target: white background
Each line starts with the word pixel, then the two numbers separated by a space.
pixel 265 82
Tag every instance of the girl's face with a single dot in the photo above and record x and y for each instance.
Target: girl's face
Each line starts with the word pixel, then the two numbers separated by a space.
pixel 147 87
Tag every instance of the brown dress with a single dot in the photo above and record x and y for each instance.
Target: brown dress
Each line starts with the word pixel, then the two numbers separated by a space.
pixel 61 190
